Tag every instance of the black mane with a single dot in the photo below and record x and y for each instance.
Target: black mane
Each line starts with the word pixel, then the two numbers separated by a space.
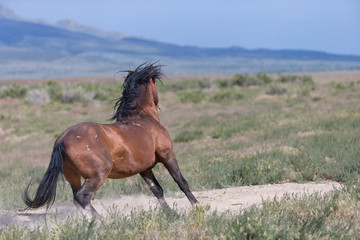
pixel 141 75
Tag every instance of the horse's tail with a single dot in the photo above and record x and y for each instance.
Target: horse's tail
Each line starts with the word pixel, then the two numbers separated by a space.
pixel 46 192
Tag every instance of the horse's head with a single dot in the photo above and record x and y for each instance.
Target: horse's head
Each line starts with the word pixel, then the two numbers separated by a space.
pixel 150 97
pixel 153 81
pixel 140 92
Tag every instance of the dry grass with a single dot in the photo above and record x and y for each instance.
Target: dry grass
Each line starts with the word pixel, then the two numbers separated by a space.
pixel 258 139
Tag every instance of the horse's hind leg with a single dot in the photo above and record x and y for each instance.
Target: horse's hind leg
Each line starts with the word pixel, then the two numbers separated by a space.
pixel 83 194
pixel 174 170
pixel 86 192
pixel 155 187
pixel 73 178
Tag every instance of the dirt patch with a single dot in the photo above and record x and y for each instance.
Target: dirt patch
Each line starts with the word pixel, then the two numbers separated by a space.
pixel 233 199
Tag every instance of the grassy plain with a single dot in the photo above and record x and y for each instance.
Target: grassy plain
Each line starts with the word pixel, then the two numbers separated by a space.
pixel 227 131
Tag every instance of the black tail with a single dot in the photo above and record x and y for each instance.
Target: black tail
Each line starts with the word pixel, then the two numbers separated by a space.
pixel 46 192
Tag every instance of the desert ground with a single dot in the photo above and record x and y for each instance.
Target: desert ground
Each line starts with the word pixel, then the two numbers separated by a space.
pixel 233 199
pixel 273 154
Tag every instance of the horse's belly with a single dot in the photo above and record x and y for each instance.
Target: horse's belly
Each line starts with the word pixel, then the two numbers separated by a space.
pixel 126 167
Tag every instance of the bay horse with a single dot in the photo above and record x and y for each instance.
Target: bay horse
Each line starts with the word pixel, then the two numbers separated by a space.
pixel 133 144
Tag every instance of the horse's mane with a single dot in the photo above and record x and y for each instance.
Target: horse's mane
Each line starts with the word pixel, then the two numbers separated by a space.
pixel 141 75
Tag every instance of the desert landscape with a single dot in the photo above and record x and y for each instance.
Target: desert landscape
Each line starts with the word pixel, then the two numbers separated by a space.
pixel 267 156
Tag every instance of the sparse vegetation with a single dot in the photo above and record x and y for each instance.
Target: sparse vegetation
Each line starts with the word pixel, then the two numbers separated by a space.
pixel 13 91
pixel 226 95
pixel 313 217
pixel 186 84
pixel 244 80
pixel 191 96
pixel 288 78
pixel 188 136
pixel 276 90
pixel 226 132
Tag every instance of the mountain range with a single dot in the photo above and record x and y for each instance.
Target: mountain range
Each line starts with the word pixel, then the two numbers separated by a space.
pixel 37 49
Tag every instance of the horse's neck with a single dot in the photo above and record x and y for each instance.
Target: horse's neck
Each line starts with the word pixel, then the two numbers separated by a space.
pixel 147 106
pixel 151 113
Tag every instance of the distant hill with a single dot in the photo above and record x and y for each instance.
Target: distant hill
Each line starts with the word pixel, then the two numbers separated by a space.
pixel 33 49
pixel 72 25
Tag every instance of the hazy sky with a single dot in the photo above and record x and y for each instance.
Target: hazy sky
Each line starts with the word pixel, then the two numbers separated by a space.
pixel 325 25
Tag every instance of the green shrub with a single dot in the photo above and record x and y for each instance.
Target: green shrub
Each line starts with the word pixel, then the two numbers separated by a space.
pixel 228 94
pixel 352 86
pixel 227 129
pixel 238 80
pixel 340 86
pixel 188 136
pixel 54 90
pixel 195 96
pixel 306 79
pixel 13 91
pixel 276 90
pixel 304 91
pixel 264 78
pixel 287 78
pixel 245 80
pixel 261 169
pixel 324 156
pixel 339 123
pixel 316 99
pixel 185 85
pixel 224 82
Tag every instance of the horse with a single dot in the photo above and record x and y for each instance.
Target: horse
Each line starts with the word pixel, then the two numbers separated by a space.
pixel 133 144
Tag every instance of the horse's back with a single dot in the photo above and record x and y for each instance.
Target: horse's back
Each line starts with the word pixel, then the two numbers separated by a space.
pixel 120 149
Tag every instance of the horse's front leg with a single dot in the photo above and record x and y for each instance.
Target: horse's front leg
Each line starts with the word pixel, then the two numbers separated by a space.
pixel 172 166
pixel 155 187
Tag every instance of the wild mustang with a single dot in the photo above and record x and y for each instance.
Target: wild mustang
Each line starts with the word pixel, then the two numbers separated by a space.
pixel 133 144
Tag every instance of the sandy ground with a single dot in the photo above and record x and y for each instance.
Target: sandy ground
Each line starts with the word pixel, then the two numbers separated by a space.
pixel 233 199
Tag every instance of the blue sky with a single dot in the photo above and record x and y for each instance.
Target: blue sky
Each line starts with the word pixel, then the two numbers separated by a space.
pixel 326 25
